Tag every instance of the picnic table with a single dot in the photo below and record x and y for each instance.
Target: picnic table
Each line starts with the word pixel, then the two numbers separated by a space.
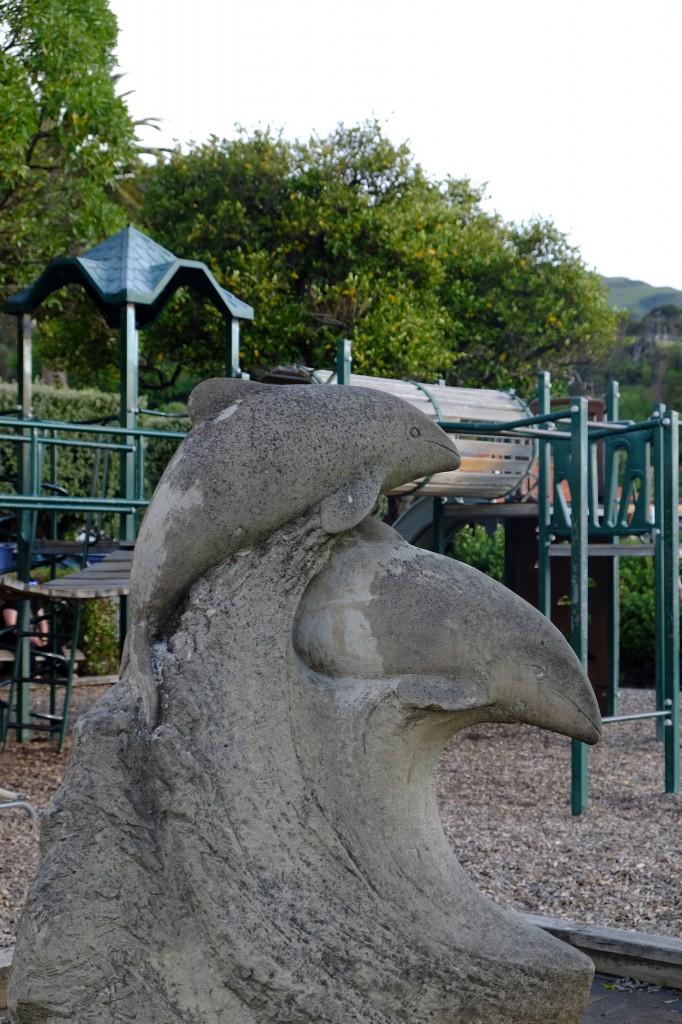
pixel 105 577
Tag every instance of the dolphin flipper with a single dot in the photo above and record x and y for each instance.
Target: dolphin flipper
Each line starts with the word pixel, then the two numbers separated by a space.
pixel 351 503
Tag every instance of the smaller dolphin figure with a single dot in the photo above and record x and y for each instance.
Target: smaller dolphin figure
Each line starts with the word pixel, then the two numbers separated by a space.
pixel 257 457
pixel 248 828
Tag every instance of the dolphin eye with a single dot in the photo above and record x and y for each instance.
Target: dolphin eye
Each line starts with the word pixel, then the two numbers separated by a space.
pixel 415 432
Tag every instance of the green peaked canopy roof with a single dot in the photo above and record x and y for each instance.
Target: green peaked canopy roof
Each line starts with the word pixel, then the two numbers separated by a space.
pixel 128 262
pixel 128 268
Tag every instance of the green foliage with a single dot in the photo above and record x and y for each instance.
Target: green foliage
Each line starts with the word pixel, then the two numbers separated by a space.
pixel 346 236
pixel 648 372
pixel 159 451
pixel 66 138
pixel 98 637
pixel 475 546
pixel 66 404
pixel 636 402
pixel 74 467
pixel 380 510
pixel 637 612
pixel 672 380
pixel 74 337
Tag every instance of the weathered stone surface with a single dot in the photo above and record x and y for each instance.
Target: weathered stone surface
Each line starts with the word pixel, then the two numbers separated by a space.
pixel 248 829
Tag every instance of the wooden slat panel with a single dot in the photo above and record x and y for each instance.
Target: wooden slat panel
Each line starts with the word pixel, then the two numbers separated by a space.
pixel 462 485
pixel 510 467
pixel 476 404
pixel 492 466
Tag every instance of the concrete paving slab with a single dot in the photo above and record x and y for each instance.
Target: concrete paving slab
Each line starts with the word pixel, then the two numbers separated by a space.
pixel 623 1001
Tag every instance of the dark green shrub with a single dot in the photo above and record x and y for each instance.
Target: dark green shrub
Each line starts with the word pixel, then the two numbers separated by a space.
pixel 484 551
pixel 638 615
pixel 72 469
pixel 66 404
pixel 79 470
pixel 159 451
pixel 99 637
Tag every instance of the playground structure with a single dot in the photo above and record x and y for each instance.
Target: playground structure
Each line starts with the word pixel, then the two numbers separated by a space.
pixel 569 490
pixel 598 490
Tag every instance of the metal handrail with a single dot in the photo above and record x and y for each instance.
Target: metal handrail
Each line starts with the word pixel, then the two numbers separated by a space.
pixel 85 428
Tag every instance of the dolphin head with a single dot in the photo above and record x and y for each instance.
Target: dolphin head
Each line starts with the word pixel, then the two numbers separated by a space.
pixel 452 640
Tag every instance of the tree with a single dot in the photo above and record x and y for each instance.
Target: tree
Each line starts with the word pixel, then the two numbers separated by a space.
pixel 66 137
pixel 347 236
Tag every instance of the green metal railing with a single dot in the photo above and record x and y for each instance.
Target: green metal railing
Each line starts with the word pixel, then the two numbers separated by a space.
pixel 32 453
pixel 641 494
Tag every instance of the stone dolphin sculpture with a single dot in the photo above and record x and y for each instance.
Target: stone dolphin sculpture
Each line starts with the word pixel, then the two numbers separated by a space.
pixel 248 829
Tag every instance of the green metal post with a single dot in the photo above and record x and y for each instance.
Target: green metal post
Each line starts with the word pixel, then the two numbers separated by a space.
pixel 613 594
pixel 544 504
pixel 612 400
pixel 343 361
pixel 140 448
pixel 671 561
pixel 659 468
pixel 130 365
pixel 25 485
pixel 579 588
pixel 232 355
pixel 25 370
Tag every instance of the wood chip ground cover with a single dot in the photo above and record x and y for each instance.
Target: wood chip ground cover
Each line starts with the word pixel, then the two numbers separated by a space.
pixel 504 794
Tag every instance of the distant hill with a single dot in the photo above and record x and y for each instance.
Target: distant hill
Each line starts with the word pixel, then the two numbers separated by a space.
pixel 638 297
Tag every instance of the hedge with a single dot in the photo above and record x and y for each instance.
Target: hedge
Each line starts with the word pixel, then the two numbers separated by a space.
pixel 75 466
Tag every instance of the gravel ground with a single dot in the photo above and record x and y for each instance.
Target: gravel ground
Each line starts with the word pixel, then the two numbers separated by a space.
pixel 505 803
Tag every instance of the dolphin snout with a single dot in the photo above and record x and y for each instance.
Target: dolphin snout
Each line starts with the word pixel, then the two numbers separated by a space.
pixel 453 455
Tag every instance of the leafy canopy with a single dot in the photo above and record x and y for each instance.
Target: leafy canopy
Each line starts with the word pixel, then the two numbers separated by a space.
pixel 347 236
pixel 65 135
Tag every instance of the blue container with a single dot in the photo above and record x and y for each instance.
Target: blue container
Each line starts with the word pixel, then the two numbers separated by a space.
pixel 8 557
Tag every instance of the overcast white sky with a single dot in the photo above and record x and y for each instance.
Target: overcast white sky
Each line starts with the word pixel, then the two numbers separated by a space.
pixel 569 109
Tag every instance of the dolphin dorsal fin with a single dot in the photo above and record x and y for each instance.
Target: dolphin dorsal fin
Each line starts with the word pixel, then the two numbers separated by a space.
pixel 209 398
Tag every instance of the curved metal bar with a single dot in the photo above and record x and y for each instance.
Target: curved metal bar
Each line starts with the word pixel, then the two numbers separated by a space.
pixel 22 805
pixel 432 400
pixel 418 486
